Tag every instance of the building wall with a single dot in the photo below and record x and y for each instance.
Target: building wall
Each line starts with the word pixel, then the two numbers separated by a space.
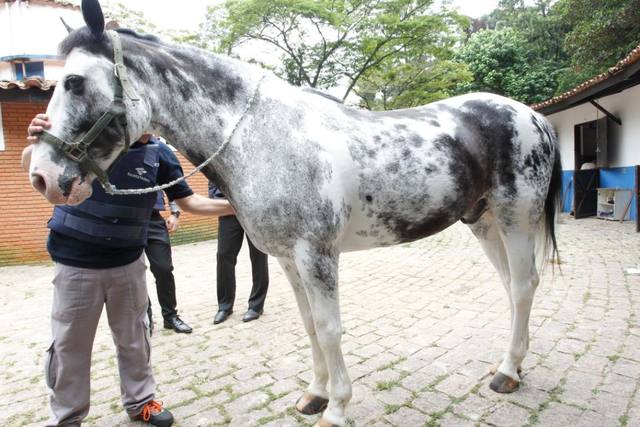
pixel 623 146
pixel 34 28
pixel 25 212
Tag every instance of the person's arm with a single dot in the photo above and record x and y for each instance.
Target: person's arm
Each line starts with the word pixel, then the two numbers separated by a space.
pixel 201 205
pixel 173 219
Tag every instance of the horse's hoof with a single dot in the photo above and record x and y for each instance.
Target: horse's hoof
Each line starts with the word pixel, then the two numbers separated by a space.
pixel 502 383
pixel 324 423
pixel 309 404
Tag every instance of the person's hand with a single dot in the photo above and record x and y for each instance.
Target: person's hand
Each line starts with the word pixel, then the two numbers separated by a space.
pixel 172 223
pixel 39 123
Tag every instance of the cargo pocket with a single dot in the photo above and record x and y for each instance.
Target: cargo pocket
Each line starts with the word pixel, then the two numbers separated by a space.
pixel 50 366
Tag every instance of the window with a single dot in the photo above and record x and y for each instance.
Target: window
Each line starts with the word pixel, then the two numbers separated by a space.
pixel 29 69
pixel 1 131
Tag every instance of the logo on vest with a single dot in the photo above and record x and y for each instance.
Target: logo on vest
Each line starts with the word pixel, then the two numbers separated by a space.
pixel 141 172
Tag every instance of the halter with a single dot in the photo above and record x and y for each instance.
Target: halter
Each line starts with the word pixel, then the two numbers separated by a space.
pixel 78 151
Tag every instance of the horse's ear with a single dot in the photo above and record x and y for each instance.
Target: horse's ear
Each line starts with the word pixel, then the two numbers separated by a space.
pixel 93 17
pixel 69 29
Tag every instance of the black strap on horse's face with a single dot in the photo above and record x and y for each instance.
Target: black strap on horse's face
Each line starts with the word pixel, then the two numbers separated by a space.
pixel 78 151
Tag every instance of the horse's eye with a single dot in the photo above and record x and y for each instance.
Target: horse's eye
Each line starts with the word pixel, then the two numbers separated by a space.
pixel 74 83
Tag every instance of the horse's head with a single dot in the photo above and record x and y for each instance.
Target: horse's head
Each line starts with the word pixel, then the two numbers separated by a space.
pixel 76 150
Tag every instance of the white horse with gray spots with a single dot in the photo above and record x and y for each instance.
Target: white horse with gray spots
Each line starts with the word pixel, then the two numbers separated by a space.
pixel 311 178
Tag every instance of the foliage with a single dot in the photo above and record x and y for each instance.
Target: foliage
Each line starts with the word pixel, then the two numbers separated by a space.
pixel 129 18
pixel 324 43
pixel 408 84
pixel 602 33
pixel 503 62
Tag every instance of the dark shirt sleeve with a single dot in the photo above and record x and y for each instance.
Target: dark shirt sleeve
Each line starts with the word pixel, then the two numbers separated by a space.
pixel 214 191
pixel 169 169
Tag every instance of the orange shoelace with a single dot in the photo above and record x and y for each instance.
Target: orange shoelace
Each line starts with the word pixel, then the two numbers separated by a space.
pixel 153 407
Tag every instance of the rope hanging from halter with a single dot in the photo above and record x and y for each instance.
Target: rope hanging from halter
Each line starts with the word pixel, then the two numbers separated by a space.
pixel 114 191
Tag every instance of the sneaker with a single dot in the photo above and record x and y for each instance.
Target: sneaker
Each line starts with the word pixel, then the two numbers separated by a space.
pixel 153 413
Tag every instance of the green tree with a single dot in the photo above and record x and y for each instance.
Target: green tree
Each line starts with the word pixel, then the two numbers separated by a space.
pixel 410 83
pixel 503 63
pixel 327 42
pixel 602 33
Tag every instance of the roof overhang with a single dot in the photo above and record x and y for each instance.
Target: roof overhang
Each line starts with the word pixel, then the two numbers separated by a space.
pixel 615 84
pixel 623 75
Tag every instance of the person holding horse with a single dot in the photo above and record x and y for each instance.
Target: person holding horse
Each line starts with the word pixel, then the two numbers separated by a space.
pixel 97 249
pixel 230 237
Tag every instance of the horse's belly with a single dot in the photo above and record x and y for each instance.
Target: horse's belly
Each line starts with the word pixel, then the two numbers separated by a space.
pixel 386 228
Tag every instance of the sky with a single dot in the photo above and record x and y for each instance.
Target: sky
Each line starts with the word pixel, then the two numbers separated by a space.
pixel 187 14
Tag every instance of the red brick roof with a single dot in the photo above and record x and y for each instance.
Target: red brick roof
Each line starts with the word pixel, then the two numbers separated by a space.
pixel 630 59
pixel 32 82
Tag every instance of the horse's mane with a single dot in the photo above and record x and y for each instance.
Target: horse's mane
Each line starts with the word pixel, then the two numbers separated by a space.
pixel 83 38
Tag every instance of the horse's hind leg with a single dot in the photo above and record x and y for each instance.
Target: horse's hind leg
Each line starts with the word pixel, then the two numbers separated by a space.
pixel 486 231
pixel 315 399
pixel 318 271
pixel 520 248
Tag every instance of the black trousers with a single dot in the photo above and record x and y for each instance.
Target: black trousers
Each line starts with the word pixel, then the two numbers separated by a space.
pixel 158 251
pixel 230 237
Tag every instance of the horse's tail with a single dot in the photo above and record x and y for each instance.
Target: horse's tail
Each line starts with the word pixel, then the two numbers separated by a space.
pixel 552 202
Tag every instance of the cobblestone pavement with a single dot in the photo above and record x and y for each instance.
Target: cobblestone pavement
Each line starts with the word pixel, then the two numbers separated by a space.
pixel 423 324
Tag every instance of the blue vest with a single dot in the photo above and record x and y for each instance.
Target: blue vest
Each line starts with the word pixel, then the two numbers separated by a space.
pixel 159 206
pixel 115 221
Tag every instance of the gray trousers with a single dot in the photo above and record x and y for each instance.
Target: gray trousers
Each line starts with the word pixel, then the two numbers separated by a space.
pixel 78 297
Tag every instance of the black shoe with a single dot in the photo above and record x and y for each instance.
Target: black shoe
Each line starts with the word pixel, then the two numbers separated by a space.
pixel 221 316
pixel 153 413
pixel 176 323
pixel 250 315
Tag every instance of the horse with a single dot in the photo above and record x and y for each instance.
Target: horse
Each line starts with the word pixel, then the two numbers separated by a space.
pixel 310 177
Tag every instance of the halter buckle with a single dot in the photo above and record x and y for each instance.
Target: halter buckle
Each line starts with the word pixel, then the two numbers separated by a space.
pixel 76 152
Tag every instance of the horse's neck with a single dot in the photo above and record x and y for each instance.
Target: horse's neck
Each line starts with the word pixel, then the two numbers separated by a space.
pixel 197 105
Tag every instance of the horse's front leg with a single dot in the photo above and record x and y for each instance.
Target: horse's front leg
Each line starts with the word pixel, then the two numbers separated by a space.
pixel 318 269
pixel 315 399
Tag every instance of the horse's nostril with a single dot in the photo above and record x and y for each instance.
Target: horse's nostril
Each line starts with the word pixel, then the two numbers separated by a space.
pixel 39 183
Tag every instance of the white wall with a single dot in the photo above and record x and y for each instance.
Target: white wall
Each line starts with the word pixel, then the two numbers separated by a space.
pixel 624 146
pixel 6 71
pixel 34 29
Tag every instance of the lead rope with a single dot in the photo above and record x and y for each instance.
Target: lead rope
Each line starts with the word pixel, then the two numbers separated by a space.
pixel 112 190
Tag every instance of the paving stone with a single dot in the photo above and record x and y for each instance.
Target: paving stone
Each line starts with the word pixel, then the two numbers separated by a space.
pixel 507 415
pixel 431 402
pixel 407 417
pixel 456 385
pixel 559 415
pixel 474 407
pixel 451 420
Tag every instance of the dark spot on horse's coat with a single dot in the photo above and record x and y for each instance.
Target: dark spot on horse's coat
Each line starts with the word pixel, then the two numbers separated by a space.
pixel 400 126
pixel 393 167
pixel 416 140
pixel 435 123
pixel 487 129
pixel 406 153
pixel 377 138
pixel 368 198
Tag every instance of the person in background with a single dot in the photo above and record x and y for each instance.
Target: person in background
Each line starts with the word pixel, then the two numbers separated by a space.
pixel 97 249
pixel 230 237
pixel 158 252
